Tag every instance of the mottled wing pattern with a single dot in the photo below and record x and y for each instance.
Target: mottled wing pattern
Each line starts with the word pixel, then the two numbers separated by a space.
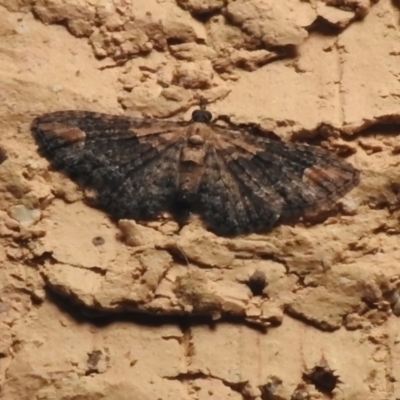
pixel 132 164
pixel 248 181
pixel 251 181
pixel 227 202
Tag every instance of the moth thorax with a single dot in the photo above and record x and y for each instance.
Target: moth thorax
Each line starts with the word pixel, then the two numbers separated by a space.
pixel 191 167
pixel 194 151
pixel 195 140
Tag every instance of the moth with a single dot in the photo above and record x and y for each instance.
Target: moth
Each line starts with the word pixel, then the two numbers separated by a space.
pixel 239 181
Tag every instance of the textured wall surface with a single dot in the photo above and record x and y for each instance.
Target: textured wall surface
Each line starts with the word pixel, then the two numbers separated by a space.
pixel 92 309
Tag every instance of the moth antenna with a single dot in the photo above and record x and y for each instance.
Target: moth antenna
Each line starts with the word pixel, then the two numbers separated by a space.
pixel 202 103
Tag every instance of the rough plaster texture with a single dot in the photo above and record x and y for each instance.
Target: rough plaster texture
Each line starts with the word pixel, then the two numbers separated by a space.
pixel 90 309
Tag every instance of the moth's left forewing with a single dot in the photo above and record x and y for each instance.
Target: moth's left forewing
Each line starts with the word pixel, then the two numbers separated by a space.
pixel 132 164
pixel 77 126
pixel 63 134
